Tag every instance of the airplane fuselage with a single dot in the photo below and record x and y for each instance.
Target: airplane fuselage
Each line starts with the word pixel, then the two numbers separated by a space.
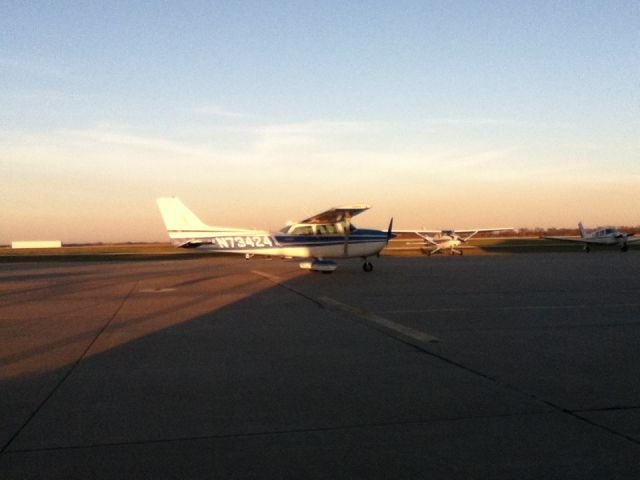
pixel 606 240
pixel 361 243
pixel 606 236
pixel 447 242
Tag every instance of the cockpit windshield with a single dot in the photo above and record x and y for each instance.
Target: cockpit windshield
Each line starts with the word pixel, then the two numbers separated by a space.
pixel 301 230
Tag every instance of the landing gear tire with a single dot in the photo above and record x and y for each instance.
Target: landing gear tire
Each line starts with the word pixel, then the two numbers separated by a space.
pixel 367 266
pixel 587 249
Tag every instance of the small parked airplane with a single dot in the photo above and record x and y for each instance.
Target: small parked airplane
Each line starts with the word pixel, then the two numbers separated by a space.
pixel 449 239
pixel 601 236
pixel 324 236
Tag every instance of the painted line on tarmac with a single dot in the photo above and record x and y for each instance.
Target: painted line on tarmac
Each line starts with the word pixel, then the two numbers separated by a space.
pixel 397 330
pixel 281 283
pixel 513 307
pixel 389 327
pixel 268 276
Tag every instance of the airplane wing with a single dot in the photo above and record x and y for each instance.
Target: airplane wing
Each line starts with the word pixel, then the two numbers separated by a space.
pixel 337 214
pixel 478 230
pixel 570 239
pixel 417 231
pixel 471 230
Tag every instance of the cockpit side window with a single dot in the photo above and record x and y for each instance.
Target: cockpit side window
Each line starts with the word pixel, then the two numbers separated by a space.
pixel 302 230
pixel 327 229
pixel 317 229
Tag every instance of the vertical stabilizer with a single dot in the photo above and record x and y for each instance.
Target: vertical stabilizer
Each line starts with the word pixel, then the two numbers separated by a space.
pixel 177 217
pixel 183 223
pixel 583 233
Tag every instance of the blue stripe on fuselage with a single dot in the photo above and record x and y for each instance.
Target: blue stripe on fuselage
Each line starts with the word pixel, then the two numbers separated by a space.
pixel 359 236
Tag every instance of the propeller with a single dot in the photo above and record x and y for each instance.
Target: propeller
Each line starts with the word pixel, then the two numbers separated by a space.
pixel 623 244
pixel 390 235
pixel 347 232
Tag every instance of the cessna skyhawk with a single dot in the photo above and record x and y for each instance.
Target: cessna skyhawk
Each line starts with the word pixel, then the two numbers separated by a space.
pixel 601 236
pixel 319 238
pixel 449 239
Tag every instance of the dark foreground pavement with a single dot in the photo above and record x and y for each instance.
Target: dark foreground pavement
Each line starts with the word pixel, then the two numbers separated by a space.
pixel 520 366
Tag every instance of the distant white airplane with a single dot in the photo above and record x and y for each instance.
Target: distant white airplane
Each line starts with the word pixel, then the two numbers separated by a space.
pixel 325 236
pixel 449 239
pixel 601 236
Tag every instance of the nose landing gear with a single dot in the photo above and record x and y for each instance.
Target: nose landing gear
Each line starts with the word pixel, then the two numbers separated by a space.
pixel 367 266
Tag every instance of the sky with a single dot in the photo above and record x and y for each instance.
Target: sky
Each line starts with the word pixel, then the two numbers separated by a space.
pixel 442 114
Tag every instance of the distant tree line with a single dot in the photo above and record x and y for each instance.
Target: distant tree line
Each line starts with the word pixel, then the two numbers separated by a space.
pixel 551 232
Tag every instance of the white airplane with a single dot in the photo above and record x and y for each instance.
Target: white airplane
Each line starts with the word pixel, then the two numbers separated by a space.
pixel 449 239
pixel 320 238
pixel 601 236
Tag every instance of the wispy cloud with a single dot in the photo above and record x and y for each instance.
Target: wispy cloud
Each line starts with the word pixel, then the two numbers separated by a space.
pixel 108 136
pixel 462 159
pixel 308 134
pixel 474 122
pixel 31 67
pixel 38 95
pixel 217 111
pixel 104 146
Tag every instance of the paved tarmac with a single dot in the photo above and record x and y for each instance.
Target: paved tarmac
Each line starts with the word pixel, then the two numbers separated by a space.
pixel 490 367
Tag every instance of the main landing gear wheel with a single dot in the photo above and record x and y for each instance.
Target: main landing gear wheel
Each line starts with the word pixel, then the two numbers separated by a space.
pixel 367 266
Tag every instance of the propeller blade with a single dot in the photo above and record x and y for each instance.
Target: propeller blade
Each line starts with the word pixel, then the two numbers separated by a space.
pixel 390 235
pixel 347 233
